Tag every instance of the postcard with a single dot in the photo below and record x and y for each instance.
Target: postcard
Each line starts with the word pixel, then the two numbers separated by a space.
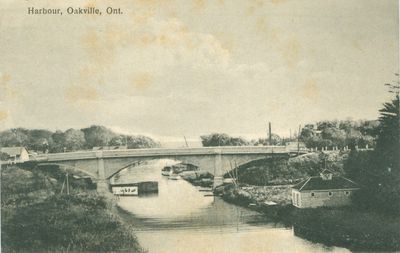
pixel 199 126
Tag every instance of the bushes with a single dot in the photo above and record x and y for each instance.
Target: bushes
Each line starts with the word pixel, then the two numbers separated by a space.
pixel 79 223
pixel 380 187
pixel 348 227
pixel 50 222
pixel 282 171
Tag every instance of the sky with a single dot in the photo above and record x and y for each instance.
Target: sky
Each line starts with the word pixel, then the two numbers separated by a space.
pixel 174 68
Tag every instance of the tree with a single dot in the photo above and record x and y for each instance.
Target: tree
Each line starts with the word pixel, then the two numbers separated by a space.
pixel 275 140
pixel 221 139
pixel 369 127
pixel 337 137
pixel 74 139
pixel 326 124
pixel 14 137
pixel 354 138
pixel 58 142
pixel 386 159
pixel 97 136
pixel 388 143
pixel 141 142
pixel 379 173
pixel 118 140
pixel 4 156
pixel 307 131
pixel 40 140
pixel 340 133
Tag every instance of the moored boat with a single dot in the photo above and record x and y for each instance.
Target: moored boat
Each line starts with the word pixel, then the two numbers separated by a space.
pixel 174 177
pixel 167 171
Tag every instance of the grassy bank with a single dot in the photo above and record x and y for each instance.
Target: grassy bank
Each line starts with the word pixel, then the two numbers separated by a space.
pixel 280 171
pixel 36 217
pixel 348 227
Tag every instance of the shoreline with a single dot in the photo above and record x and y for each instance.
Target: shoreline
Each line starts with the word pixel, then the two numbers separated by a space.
pixel 346 226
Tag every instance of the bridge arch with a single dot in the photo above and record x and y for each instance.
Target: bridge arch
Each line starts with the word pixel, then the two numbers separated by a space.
pixel 125 166
pixel 135 163
pixel 243 164
pixel 70 168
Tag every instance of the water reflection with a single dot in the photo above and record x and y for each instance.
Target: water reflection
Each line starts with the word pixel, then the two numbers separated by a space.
pixel 181 219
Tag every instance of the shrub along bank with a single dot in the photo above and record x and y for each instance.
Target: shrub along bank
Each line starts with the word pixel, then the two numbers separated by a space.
pixel 37 218
pixel 348 227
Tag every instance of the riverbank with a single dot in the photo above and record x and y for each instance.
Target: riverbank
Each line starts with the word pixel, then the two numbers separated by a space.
pixel 347 227
pixel 198 178
pixel 281 171
pixel 36 217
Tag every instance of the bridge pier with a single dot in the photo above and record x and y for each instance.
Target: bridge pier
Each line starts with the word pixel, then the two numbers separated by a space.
pixel 102 182
pixel 218 171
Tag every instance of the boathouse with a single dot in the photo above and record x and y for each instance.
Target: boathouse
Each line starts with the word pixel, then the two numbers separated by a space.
pixel 323 190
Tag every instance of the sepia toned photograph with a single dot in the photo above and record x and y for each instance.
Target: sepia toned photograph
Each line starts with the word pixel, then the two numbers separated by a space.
pixel 199 126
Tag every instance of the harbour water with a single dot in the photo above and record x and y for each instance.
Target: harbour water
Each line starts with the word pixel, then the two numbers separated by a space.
pixel 180 218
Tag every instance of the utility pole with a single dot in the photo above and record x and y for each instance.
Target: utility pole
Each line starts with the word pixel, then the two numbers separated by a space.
pixel 67 185
pixel 62 187
pixel 186 141
pixel 298 141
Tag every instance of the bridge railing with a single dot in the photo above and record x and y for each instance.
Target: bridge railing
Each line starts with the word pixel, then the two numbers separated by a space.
pixel 160 152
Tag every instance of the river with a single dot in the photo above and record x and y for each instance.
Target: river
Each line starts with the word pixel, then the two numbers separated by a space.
pixel 181 219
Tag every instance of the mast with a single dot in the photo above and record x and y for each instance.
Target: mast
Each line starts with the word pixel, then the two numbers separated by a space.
pixel 186 141
pixel 298 140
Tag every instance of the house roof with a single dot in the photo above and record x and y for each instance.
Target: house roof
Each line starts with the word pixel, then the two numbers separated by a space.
pixel 12 151
pixel 318 183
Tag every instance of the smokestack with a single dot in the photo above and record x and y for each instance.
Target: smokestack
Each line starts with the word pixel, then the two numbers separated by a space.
pixel 270 133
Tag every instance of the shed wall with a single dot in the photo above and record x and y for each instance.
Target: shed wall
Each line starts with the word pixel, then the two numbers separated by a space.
pixel 322 198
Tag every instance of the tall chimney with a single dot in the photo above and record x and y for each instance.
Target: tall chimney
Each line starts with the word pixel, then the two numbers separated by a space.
pixel 270 133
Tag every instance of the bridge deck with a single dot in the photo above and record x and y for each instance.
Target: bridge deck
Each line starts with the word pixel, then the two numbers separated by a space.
pixel 161 152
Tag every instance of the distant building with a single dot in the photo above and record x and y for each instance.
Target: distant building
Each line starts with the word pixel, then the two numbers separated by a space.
pixel 323 190
pixel 14 154
pixel 318 132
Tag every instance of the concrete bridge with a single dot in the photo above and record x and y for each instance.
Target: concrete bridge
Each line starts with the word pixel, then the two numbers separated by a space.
pixel 101 165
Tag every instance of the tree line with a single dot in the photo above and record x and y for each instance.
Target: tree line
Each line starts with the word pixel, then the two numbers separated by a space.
pixel 340 134
pixel 323 134
pixel 40 140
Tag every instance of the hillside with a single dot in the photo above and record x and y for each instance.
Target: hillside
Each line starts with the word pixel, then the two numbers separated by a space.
pixel 283 171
